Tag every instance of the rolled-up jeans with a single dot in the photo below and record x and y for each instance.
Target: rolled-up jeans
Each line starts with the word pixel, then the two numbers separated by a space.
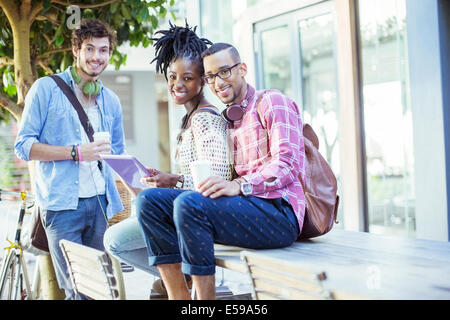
pixel 125 241
pixel 85 225
pixel 182 226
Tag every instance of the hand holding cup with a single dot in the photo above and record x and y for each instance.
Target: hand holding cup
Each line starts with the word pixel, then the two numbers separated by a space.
pixel 101 145
pixel 200 170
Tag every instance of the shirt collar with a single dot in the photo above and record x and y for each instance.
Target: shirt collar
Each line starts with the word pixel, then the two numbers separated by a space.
pixel 248 96
pixel 68 77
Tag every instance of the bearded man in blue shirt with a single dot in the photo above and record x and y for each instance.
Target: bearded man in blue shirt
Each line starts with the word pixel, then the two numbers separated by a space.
pixel 75 194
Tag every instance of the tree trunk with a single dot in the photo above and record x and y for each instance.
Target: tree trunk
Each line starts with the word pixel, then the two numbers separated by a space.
pixel 24 79
pixel 22 61
pixel 49 285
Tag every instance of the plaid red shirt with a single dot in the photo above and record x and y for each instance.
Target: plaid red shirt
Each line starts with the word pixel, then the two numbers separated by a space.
pixel 271 156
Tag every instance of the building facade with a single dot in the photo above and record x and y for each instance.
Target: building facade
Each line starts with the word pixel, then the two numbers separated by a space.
pixel 371 77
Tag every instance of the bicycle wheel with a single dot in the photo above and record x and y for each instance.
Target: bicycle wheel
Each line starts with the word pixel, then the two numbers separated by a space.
pixel 11 281
pixel 7 277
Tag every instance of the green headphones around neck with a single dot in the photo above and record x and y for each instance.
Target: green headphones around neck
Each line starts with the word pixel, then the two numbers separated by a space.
pixel 90 88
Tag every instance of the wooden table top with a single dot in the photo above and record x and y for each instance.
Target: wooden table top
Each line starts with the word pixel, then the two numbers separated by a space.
pixel 369 265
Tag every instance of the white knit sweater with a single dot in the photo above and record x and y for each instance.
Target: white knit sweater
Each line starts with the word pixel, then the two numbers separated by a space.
pixel 205 139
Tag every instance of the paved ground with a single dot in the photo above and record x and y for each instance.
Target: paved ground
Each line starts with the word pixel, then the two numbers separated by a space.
pixel 137 283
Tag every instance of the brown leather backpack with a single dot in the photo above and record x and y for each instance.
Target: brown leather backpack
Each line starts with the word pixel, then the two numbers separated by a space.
pixel 320 187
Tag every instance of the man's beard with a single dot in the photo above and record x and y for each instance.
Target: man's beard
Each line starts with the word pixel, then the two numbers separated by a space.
pixel 234 96
pixel 85 69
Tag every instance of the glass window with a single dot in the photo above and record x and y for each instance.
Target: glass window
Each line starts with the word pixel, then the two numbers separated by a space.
pixel 276 59
pixel 216 20
pixel 387 117
pixel 122 85
pixel 319 86
pixel 319 83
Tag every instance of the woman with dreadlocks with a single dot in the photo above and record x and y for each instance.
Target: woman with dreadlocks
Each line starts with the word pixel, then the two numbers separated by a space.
pixel 202 137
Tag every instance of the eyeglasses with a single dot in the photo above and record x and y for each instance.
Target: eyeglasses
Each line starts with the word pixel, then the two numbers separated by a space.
pixel 223 74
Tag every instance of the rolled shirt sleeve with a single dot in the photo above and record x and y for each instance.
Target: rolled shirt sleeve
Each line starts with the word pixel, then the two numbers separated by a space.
pixel 33 119
pixel 280 123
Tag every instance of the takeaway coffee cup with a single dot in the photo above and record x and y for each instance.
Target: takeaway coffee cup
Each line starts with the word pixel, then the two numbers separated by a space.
pixel 200 170
pixel 102 136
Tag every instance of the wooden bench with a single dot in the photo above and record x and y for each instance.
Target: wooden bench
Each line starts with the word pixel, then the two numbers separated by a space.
pixel 364 264
pixel 93 273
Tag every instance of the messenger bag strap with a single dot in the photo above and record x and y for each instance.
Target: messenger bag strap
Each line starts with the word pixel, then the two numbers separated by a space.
pixel 78 107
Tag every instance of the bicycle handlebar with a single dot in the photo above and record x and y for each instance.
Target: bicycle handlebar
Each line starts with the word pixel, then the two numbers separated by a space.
pixel 23 195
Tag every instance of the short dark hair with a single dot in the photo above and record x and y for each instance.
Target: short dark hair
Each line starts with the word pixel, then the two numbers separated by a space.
pixel 93 28
pixel 177 42
pixel 220 46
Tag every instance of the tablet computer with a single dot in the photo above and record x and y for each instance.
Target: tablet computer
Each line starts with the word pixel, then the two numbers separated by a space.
pixel 128 167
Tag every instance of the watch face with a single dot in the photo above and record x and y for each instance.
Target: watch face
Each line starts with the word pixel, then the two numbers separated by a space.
pixel 180 182
pixel 246 189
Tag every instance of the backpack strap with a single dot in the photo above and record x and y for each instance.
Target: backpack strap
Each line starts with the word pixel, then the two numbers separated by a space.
pixel 203 109
pixel 309 134
pixel 260 97
pixel 308 131
pixel 208 109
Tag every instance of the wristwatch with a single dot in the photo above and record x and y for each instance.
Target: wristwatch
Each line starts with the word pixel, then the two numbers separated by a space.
pixel 246 187
pixel 180 182
pixel 74 153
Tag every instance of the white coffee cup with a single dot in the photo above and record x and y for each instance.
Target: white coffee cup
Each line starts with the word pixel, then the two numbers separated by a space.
pixel 102 136
pixel 200 170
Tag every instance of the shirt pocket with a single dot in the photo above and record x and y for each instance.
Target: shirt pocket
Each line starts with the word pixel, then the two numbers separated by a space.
pixel 107 122
pixel 59 122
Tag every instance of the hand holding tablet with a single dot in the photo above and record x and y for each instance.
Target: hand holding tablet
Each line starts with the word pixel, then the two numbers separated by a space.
pixel 128 167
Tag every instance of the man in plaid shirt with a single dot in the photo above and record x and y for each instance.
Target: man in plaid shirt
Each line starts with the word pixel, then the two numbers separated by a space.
pixel 261 209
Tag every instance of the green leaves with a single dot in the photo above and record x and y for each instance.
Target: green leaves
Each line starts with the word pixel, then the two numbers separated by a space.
pixel 47 5
pixel 8 83
pixel 59 39
pixel 118 59
pixel 65 61
pixel 114 6
pixel 125 11
pixel 154 22
pixel 143 14
pixel 135 21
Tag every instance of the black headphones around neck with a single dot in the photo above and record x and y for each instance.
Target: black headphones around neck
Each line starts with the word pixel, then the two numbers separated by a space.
pixel 235 112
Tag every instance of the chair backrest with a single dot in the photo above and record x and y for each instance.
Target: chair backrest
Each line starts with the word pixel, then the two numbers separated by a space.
pixel 277 279
pixel 93 273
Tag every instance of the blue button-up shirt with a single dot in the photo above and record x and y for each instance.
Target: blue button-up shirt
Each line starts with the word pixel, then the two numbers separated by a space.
pixel 50 118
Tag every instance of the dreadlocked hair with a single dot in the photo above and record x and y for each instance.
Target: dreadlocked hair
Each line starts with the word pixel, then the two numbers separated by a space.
pixel 178 42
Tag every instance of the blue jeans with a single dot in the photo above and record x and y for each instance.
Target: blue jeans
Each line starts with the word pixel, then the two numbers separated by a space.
pixel 125 241
pixel 182 226
pixel 85 225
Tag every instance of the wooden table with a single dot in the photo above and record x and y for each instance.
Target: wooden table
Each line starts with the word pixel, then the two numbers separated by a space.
pixel 364 264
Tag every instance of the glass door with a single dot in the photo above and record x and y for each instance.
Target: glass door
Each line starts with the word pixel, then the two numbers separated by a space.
pixel 387 117
pixel 273 49
pixel 295 54
pixel 319 82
